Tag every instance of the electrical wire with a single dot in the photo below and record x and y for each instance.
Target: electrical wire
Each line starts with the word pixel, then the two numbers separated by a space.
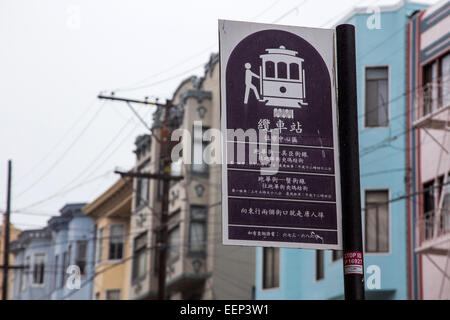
pixel 63 155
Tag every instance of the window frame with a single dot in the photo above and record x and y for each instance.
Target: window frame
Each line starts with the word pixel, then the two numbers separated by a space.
pixel 55 273
pixel 99 251
pixel 441 95
pixel 317 254
pixel 437 60
pixel 203 221
pixel 388 95
pixel 107 291
pixel 65 263
pixel 205 143
pixel 135 276
pixel 33 282
pixel 25 274
pixel 77 260
pixel 138 200
pixel 333 252
pixel 389 222
pixel 178 254
pixel 263 286
pixel 110 243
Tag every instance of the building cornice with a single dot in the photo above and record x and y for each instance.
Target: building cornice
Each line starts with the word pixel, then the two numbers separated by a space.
pixel 383 8
pixel 111 200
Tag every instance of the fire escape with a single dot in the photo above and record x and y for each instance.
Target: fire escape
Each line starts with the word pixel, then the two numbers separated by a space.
pixel 433 226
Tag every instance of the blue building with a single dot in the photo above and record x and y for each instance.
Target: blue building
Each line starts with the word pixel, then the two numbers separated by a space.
pixel 381 73
pixel 67 240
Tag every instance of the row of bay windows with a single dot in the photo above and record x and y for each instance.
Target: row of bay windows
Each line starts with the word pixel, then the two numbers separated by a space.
pixel 435 91
pixel 38 267
pixel 196 242
pixel 376 240
pixel 436 84
pixel 198 167
pixel 116 242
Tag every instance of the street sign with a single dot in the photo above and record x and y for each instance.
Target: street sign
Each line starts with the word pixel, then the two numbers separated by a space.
pixel 280 177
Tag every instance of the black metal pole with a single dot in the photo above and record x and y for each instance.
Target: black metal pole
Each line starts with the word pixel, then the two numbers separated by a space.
pixel 6 237
pixel 349 162
pixel 163 230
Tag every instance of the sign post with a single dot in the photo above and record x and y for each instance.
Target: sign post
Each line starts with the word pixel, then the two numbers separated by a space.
pixel 290 141
pixel 349 160
pixel 281 176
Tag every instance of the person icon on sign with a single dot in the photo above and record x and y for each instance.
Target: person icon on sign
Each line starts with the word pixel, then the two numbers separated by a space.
pixel 249 75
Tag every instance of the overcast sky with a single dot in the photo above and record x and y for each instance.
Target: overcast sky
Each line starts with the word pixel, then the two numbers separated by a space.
pixel 57 55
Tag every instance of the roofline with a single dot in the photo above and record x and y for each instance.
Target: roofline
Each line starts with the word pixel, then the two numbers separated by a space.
pixel 191 78
pixel 383 8
pixel 90 208
pixel 69 205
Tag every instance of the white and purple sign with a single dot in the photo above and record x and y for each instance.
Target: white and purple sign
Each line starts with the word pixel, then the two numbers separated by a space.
pixel 280 178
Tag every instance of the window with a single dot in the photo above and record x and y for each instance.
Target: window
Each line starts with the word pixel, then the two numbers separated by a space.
pixel 139 256
pixel 444 93
pixel 39 268
pixel 428 206
pixel 64 267
pixel 69 262
pixel 116 241
pixel 174 243
pixel 271 267
pixel 336 255
pixel 69 255
pixel 320 271
pixel 156 255
pixel 176 167
pixel 80 259
pixel 113 294
pixel 142 188
pixel 24 274
pixel 445 214
pixel 199 145
pixel 430 88
pixel 55 273
pixel 100 244
pixel 377 221
pixel 197 229
pixel 377 105
pixel 97 296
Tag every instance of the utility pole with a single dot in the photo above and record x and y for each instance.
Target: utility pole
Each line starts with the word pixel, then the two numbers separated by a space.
pixel 165 177
pixel 163 232
pixel 349 162
pixel 6 236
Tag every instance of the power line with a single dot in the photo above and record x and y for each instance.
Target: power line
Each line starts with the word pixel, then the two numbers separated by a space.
pixel 59 193
pixel 142 86
pixel 62 139
pixel 64 154
pixel 86 169
pixel 295 8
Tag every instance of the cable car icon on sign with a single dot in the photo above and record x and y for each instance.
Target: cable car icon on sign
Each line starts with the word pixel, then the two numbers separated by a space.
pixel 281 79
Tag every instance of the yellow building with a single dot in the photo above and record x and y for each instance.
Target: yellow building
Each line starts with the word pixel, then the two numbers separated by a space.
pixel 13 235
pixel 111 212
